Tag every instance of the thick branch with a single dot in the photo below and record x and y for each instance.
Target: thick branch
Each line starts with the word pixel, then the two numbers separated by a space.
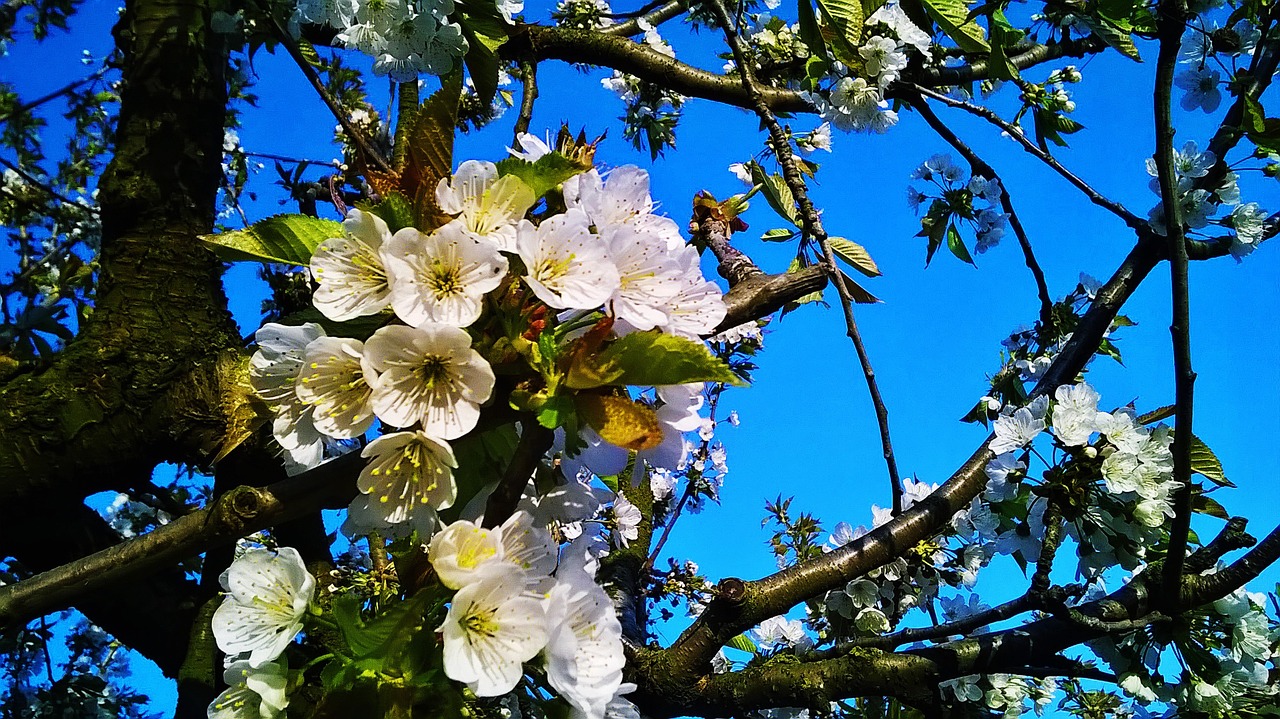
pixel 159 318
pixel 535 440
pixel 241 511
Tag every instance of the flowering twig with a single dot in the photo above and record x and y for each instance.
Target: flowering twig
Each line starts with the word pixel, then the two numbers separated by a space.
pixel 371 155
pixel 48 190
pixel 1172 19
pixel 654 18
pixel 1138 224
pixel 979 167
pixel 813 228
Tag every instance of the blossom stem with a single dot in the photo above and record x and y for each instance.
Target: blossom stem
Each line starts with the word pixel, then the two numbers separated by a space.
pixel 528 78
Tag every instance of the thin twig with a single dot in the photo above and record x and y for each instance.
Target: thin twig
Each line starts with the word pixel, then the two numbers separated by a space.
pixel 641 11
pixel 65 89
pixel 961 627
pixel 1048 550
pixel 813 227
pixel 667 11
pixel 48 190
pixel 1172 19
pixel 285 158
pixel 361 142
pixel 528 78
pixel 1138 224
pixel 689 489
pixel 980 167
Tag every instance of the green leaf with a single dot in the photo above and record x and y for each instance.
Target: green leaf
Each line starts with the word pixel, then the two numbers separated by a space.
pixel 394 209
pixel 541 175
pixel 956 245
pixel 778 235
pixel 649 359
pixel 855 255
pixel 1207 505
pixel 776 193
pixel 620 421
pixel 858 292
pixel 844 20
pixel 360 328
pixel 1263 131
pixel 389 631
pixel 1206 464
pixel 809 31
pixel 484 36
pixel 286 239
pixel 742 643
pixel 1003 36
pixel 1118 38
pixel 953 17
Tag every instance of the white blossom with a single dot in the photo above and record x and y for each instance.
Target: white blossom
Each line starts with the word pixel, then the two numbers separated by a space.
pixel 273 372
pixel 489 206
pixel 627 516
pixel 442 277
pixel 1202 89
pixel 406 472
pixel 464 553
pixel 430 375
pixel 1015 429
pixel 584 648
pixel 649 277
pixel 334 379
pixel 349 270
pixel 492 628
pixel 267 596
pixel 1075 418
pixel 252 692
pixel 568 266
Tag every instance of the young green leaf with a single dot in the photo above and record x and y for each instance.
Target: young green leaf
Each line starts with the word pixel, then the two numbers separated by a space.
pixel 541 175
pixel 855 255
pixel 844 22
pixel 286 239
pixel 1206 464
pixel 953 17
pixel 956 245
pixel 649 359
pixel 742 643
pixel 777 193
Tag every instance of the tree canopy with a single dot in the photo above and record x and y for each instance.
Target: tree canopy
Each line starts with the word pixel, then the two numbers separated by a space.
pixel 503 360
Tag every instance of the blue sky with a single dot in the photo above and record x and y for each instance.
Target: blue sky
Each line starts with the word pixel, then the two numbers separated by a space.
pixel 807 426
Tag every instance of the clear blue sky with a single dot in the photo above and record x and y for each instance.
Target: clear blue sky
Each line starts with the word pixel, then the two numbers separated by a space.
pixel 807 426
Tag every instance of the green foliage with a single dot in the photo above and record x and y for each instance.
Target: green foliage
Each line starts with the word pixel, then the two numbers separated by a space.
pixel 843 27
pixel 485 32
pixel 284 239
pixel 855 255
pixel 953 17
pixel 742 643
pixel 649 359
pixel 541 175
pixel 776 192
pixel 1263 131
pixel 1206 464
pixel 395 209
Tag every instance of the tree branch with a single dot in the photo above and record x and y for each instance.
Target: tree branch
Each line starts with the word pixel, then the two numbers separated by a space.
pixel 1172 15
pixel 978 166
pixel 813 227
pixel 239 512
pixel 1138 224
pixel 535 440
pixel 528 78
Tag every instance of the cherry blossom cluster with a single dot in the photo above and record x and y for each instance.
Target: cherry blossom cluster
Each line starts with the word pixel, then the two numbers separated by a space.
pixel 1199 205
pixel 1229 674
pixel 404 37
pixel 422 374
pixel 512 595
pixel 1205 45
pixel 952 199
pixel 857 104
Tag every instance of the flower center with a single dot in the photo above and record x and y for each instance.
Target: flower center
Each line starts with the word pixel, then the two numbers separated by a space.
pixel 445 280
pixel 434 369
